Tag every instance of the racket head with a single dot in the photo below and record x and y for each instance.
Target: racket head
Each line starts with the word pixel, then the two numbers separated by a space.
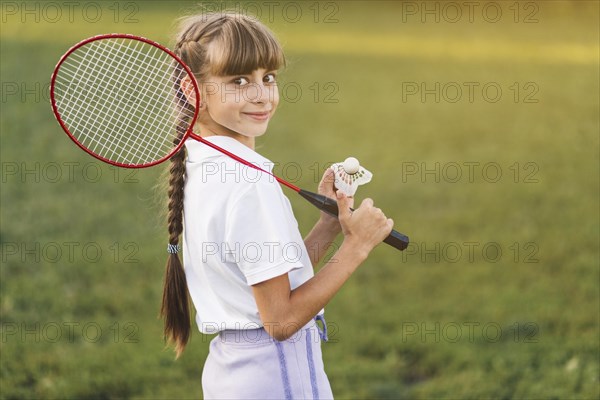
pixel 115 95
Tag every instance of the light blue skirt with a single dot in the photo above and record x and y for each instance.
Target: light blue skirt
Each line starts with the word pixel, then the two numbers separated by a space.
pixel 250 364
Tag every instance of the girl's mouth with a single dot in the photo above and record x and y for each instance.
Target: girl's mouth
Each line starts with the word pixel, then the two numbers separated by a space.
pixel 259 116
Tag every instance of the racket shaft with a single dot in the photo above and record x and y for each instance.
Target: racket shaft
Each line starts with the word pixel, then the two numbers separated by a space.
pixel 324 203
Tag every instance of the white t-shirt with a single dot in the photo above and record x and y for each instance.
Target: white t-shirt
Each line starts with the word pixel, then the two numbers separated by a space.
pixel 239 230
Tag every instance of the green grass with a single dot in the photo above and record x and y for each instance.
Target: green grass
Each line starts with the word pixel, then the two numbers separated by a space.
pixel 547 311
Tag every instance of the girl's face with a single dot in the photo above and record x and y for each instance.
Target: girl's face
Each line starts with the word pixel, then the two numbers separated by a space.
pixel 239 104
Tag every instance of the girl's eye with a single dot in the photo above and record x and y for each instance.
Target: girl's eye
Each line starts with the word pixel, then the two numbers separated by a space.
pixel 269 78
pixel 241 81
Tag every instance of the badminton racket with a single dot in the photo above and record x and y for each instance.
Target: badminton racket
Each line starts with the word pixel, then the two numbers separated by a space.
pixel 114 95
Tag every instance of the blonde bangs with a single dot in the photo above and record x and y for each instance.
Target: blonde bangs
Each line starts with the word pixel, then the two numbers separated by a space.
pixel 242 47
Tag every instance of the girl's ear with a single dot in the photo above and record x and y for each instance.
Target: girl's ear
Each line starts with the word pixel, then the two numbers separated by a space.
pixel 188 90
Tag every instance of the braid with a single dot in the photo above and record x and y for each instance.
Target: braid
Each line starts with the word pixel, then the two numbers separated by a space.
pixel 175 308
pixel 176 184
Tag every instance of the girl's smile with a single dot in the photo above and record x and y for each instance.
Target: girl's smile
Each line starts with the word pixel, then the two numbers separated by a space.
pixel 258 116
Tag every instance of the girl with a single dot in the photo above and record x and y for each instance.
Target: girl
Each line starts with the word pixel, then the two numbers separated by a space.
pixel 247 268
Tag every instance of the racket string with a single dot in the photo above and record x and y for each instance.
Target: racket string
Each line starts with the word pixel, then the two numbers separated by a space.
pixel 126 110
pixel 109 146
pixel 165 123
pixel 134 142
pixel 84 117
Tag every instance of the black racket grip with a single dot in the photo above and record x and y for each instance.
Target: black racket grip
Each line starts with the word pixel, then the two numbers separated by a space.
pixel 324 203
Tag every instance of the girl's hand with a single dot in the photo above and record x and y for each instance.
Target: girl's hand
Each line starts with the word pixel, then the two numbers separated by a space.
pixel 365 227
pixel 327 188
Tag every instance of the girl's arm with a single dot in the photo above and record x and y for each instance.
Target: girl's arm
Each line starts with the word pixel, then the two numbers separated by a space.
pixel 322 235
pixel 284 311
pixel 320 239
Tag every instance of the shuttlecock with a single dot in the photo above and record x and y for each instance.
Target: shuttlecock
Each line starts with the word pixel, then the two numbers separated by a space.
pixel 349 175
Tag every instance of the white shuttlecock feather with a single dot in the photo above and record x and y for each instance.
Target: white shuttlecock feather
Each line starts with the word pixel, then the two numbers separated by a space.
pixel 349 175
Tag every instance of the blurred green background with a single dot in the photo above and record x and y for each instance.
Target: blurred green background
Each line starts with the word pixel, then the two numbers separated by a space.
pixel 481 125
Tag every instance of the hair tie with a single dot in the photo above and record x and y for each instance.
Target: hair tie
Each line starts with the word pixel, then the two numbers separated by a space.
pixel 173 248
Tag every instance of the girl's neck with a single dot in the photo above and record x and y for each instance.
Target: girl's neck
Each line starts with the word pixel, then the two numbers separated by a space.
pixel 245 140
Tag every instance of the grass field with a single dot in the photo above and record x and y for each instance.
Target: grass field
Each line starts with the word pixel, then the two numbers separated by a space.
pixel 483 137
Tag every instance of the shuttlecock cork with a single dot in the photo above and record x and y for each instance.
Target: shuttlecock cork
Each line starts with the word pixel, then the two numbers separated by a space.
pixel 349 175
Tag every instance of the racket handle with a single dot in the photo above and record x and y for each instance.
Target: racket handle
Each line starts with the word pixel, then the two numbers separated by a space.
pixel 324 203
pixel 397 240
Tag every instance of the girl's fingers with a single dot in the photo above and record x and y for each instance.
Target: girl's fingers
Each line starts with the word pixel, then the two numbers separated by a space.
pixel 328 175
pixel 350 201
pixel 326 186
pixel 368 202
pixel 343 205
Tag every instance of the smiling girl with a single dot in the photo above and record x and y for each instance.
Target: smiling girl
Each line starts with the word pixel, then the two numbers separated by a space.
pixel 247 268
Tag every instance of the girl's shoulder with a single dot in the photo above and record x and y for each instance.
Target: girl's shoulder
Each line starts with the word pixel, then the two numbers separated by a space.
pixel 198 152
pixel 210 170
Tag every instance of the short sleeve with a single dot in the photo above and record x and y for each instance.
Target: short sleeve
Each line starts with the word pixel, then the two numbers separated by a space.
pixel 261 234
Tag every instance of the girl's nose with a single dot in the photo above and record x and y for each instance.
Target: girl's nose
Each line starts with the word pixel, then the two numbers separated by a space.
pixel 258 93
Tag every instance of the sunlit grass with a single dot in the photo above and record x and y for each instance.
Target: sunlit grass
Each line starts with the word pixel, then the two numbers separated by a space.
pixel 544 289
